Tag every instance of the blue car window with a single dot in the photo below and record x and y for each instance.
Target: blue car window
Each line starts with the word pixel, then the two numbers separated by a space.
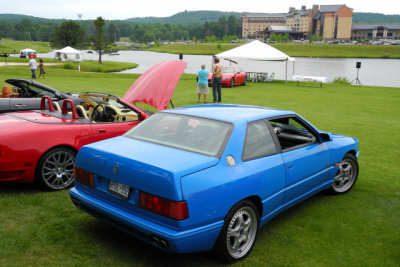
pixel 195 134
pixel 292 132
pixel 259 141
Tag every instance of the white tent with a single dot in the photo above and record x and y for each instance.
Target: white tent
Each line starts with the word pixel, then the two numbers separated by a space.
pixel 256 50
pixel 68 53
pixel 27 52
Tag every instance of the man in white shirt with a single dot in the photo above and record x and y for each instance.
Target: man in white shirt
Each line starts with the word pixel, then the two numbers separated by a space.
pixel 33 66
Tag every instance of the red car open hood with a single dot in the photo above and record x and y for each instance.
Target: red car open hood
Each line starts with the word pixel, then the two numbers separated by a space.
pixel 156 86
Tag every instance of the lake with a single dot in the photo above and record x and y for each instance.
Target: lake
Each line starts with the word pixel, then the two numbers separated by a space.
pixel 375 72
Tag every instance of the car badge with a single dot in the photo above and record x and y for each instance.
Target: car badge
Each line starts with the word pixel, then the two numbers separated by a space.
pixel 115 170
pixel 231 161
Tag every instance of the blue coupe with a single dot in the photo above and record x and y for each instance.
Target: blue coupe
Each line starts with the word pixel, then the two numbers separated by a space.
pixel 207 177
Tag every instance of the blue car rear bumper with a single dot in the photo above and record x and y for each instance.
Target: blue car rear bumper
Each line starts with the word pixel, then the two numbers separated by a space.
pixel 191 240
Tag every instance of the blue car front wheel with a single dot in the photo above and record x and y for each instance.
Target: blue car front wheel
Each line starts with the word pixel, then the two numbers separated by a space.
pixel 346 176
pixel 239 232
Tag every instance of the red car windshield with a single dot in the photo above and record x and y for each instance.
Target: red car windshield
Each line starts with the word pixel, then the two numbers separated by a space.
pixel 228 70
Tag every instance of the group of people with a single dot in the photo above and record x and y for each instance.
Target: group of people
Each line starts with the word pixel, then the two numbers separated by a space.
pixel 33 65
pixel 202 82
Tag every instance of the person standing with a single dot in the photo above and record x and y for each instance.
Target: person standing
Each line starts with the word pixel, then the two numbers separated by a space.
pixel 41 68
pixel 202 83
pixel 217 80
pixel 33 67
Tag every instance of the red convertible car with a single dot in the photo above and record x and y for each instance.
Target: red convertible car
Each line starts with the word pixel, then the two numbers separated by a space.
pixel 232 76
pixel 40 145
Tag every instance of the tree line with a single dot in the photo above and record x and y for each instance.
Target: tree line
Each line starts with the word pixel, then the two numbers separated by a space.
pixel 78 32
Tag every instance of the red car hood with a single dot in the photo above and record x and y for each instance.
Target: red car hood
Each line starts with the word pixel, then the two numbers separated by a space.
pixel 156 86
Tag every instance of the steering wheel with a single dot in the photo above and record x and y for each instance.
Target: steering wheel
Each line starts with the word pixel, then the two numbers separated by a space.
pixel 98 115
pixel 277 130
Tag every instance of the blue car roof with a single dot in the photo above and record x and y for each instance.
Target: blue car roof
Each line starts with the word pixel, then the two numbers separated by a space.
pixel 231 113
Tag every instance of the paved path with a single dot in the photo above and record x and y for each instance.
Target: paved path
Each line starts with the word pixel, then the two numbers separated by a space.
pixel 2 64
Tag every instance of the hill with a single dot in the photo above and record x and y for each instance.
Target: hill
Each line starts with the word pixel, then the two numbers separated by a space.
pixel 361 17
pixel 195 17
pixel 17 18
pixel 187 17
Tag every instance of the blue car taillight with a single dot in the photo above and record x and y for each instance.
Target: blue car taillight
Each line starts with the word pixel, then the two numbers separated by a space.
pixel 176 210
pixel 83 176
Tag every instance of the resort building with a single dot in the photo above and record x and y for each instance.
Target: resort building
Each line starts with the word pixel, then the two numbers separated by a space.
pixel 300 20
pixel 374 31
pixel 255 24
pixel 331 22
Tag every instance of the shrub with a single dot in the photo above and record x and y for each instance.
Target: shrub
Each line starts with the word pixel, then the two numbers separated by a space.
pixel 96 69
pixel 68 66
pixel 341 80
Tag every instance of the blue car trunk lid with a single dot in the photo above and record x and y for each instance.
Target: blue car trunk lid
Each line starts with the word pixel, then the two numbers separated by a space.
pixel 156 169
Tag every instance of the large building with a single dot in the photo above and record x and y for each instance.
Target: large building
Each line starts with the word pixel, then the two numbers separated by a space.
pixel 328 21
pixel 375 31
pixel 255 24
pixel 333 22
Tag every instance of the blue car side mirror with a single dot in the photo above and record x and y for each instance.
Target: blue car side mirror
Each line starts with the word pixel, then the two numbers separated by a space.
pixel 325 137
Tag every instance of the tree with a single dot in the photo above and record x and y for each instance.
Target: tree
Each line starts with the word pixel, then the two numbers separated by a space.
pixel 69 33
pixel 99 42
pixel 113 33
pixel 148 37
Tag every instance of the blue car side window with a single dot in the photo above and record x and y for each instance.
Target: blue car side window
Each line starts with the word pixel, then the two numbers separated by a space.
pixel 259 141
pixel 292 133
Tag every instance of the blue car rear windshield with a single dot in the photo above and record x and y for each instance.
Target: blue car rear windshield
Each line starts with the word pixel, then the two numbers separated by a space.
pixel 195 134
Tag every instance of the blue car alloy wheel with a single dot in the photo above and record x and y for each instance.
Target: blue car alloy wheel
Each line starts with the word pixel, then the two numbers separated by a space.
pixel 238 235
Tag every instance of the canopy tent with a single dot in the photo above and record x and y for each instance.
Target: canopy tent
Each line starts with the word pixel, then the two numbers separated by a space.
pixel 256 50
pixel 68 53
pixel 27 52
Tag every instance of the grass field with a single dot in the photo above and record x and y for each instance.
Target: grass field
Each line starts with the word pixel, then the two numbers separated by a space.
pixel 13 47
pixel 361 228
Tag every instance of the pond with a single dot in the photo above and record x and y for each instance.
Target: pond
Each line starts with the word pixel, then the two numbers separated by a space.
pixel 375 72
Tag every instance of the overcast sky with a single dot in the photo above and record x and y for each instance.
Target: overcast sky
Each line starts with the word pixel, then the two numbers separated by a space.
pixel 124 9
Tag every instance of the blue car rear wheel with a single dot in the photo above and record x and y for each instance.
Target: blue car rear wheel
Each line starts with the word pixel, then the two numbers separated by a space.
pixel 238 235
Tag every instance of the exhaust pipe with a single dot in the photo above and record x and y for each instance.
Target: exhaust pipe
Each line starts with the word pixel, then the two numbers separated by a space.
pixel 76 202
pixel 161 242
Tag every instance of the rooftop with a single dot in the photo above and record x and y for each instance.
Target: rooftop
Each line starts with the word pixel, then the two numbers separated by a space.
pixel 371 26
pixel 329 8
pixel 230 112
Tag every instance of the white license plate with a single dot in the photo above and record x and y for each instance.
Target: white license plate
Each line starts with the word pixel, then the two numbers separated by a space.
pixel 119 189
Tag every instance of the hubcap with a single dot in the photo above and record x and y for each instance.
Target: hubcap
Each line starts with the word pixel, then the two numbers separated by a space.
pixel 58 169
pixel 242 231
pixel 345 176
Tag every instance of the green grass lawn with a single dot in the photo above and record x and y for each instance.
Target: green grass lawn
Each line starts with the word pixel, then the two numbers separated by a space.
pixel 361 228
pixel 84 66
pixel 13 47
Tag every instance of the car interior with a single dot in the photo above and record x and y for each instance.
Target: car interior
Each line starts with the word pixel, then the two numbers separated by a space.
pixel 291 132
pixel 103 108
pixel 95 108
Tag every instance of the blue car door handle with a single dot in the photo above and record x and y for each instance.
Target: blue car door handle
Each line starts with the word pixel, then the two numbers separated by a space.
pixel 289 165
